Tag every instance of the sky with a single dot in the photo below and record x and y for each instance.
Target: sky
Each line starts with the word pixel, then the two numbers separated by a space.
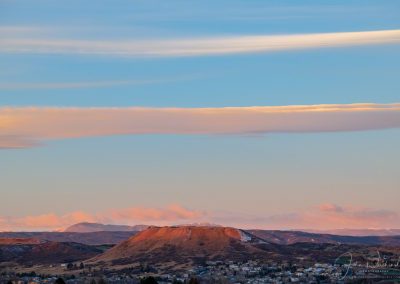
pixel 254 114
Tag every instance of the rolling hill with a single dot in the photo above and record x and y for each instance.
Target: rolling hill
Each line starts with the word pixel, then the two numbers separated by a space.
pixel 28 253
pixel 19 241
pixel 270 236
pixel 292 237
pixel 170 248
pixel 358 232
pixel 92 238
pixel 175 247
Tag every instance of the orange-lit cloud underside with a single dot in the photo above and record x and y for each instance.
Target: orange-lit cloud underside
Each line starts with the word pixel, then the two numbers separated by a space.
pixel 25 127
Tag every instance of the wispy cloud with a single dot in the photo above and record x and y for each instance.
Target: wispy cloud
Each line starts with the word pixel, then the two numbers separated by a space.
pixel 22 127
pixel 198 46
pixel 16 142
pixel 84 85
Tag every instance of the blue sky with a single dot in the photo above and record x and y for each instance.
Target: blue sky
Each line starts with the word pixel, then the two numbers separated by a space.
pixel 256 176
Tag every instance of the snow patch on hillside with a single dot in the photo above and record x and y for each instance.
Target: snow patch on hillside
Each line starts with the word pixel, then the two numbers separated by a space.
pixel 244 237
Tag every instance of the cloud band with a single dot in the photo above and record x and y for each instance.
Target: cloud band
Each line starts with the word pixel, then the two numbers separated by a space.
pixel 51 221
pixel 24 127
pixel 198 46
pixel 324 216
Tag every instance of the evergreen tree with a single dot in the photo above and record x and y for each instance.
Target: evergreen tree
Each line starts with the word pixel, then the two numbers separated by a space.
pixel 194 280
pixel 59 281
pixel 148 280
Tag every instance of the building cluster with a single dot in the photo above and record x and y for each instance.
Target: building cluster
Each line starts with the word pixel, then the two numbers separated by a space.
pixel 221 272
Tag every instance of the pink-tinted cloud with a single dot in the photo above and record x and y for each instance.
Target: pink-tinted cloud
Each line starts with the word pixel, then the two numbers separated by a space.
pixel 49 221
pixel 24 127
pixel 197 46
pixel 55 221
pixel 329 207
pixel 321 217
pixel 169 215
pixel 334 216
pixel 16 142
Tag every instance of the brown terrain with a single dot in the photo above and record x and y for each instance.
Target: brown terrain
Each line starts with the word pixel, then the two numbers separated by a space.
pixel 169 247
pixel 293 237
pixel 358 232
pixel 87 238
pixel 182 244
pixel 19 241
pixel 27 252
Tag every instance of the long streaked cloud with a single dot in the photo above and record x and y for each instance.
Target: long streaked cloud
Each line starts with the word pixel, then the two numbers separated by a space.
pixel 83 85
pixel 198 46
pixel 24 127
pixel 170 214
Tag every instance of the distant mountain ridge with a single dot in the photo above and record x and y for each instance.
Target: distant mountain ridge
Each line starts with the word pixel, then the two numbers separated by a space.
pixel 98 234
pixel 91 238
pixel 20 241
pixel 358 232
pixel 32 253
pixel 86 227
pixel 293 237
pixel 184 246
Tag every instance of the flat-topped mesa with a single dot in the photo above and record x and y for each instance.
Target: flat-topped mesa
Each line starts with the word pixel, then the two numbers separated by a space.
pixel 181 243
pixel 188 234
